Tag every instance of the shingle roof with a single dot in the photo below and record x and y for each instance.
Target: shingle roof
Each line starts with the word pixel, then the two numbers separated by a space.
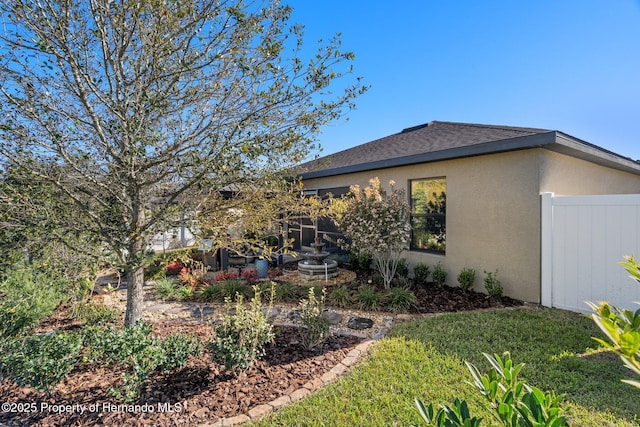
pixel 446 140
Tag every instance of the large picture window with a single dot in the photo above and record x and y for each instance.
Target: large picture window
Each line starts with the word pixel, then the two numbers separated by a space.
pixel 428 214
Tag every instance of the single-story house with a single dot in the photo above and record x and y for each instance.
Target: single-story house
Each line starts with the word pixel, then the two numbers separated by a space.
pixel 475 192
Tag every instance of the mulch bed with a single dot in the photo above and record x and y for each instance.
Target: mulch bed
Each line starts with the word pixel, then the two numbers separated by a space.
pixel 201 392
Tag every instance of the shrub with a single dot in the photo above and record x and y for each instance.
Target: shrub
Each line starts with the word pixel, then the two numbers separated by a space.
pixel 377 279
pixel 213 293
pixel 250 275
pixel 225 275
pixel 377 223
pixel 493 285
pixel 421 273
pixel 368 298
pixel 466 278
pixel 402 269
pixel 231 288
pixel 512 401
pixel 339 297
pixel 174 268
pixel 621 326
pixel 315 327
pixel 400 282
pixel 439 274
pixel 167 289
pixel 29 295
pixel 360 260
pixel 97 314
pixel 241 337
pixel 187 293
pixel 40 361
pixel 400 299
pixel 286 292
pixel 139 353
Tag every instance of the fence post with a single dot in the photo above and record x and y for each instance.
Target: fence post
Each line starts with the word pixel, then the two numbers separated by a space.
pixel 546 249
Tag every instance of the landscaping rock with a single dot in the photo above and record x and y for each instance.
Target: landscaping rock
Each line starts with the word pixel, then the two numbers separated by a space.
pixel 359 323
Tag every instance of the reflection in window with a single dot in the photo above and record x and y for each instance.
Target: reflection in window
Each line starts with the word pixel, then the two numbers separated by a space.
pixel 428 214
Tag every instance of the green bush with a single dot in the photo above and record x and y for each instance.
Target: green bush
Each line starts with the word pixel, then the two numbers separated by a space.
pixel 96 314
pixel 466 278
pixel 29 295
pixel 400 282
pixel 360 260
pixel 512 401
pixel 402 269
pixel 400 299
pixel 287 292
pixel 232 288
pixel 621 326
pixel 213 293
pixel 242 334
pixel 167 289
pixel 339 297
pixel 139 353
pixel 439 274
pixel 368 298
pixel 493 285
pixel 421 273
pixel 315 327
pixel 40 361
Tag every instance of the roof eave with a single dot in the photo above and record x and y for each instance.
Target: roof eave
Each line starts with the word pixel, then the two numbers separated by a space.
pixel 554 140
pixel 504 145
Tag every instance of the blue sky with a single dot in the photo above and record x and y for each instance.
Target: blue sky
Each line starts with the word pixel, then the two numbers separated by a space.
pixel 567 65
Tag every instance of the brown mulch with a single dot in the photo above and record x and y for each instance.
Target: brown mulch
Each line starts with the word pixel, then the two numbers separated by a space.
pixel 200 393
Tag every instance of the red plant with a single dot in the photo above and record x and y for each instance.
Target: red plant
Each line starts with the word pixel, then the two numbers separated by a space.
pixel 174 268
pixel 225 275
pixel 250 275
pixel 272 273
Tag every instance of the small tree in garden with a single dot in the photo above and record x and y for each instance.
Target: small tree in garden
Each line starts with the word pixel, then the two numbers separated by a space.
pixel 137 112
pixel 376 222
pixel 621 326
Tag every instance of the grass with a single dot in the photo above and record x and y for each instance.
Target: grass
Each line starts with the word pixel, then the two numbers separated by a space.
pixel 425 359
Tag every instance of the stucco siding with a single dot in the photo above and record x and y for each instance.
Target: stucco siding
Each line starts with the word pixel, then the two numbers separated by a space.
pixel 568 176
pixel 492 216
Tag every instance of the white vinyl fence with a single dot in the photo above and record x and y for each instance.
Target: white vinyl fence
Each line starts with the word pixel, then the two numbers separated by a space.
pixel 583 240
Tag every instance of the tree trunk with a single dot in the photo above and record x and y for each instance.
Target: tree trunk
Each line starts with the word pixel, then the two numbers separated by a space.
pixel 135 295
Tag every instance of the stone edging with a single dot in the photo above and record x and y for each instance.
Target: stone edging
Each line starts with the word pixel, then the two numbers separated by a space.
pixel 317 383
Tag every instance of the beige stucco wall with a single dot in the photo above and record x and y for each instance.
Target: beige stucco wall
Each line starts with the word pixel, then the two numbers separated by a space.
pixel 568 176
pixel 493 209
pixel 492 216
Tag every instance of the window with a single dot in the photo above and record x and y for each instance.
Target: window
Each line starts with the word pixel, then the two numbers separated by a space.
pixel 428 214
pixel 306 230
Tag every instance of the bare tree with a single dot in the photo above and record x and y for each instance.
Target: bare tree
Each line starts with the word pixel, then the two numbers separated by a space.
pixel 146 100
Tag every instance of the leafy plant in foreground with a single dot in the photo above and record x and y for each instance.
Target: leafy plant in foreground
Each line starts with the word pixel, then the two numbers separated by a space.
pixel 621 326
pixel 241 336
pixel 40 361
pixel 315 329
pixel 139 353
pixel 511 401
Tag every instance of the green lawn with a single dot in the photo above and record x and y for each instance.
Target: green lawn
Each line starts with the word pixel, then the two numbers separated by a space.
pixel 425 359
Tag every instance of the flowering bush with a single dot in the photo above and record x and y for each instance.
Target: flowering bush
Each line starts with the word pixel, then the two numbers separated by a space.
pixel 376 223
pixel 225 275
pixel 250 276
pixel 174 268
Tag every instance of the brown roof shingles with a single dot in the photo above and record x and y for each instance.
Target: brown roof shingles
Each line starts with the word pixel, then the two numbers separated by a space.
pixel 428 138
